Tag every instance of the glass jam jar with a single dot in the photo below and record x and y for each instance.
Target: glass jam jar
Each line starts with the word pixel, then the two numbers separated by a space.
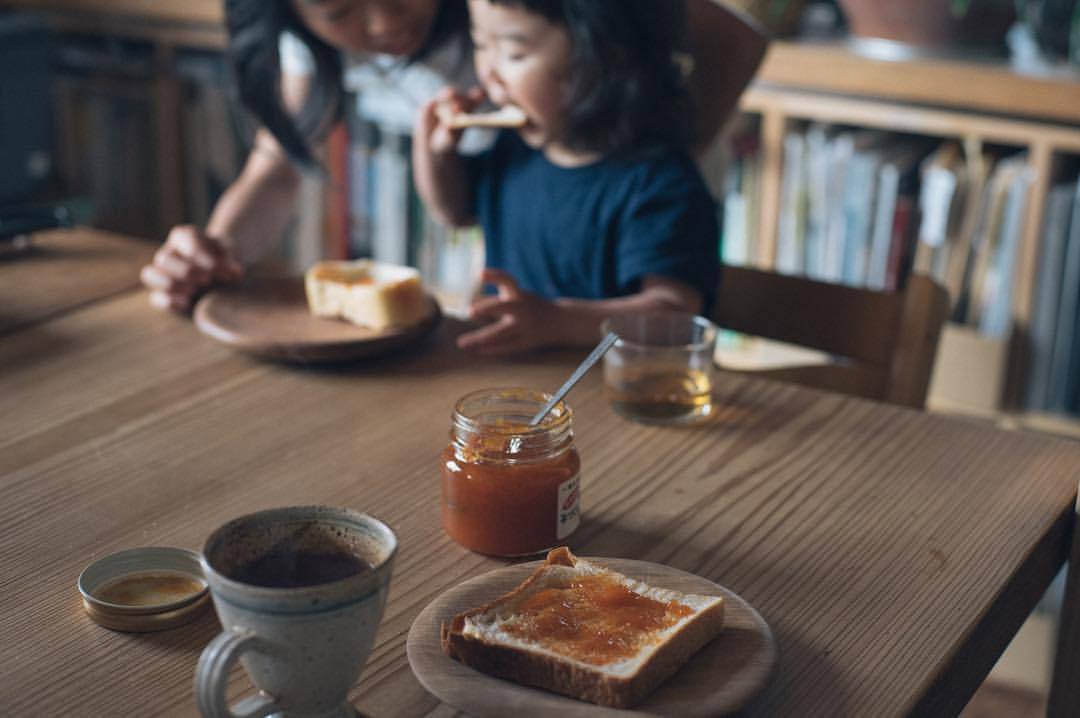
pixel 510 489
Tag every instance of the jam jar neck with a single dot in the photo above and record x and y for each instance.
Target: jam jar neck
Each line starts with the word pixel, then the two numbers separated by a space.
pixel 492 426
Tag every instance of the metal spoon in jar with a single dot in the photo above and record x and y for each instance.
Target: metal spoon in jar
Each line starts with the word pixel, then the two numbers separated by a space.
pixel 606 343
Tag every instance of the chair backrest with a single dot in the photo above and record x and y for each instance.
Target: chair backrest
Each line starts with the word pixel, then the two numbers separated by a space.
pixel 884 342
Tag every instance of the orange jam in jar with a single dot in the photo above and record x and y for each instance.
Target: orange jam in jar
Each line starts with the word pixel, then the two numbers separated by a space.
pixel 510 489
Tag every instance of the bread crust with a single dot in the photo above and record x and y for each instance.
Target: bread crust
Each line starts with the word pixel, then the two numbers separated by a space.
pixel 377 295
pixel 571 678
pixel 508 116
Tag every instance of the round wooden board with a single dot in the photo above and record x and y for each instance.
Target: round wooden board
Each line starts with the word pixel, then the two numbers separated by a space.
pixel 269 317
pixel 721 678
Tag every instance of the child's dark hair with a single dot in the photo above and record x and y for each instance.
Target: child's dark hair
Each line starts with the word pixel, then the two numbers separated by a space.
pixel 626 88
pixel 255 28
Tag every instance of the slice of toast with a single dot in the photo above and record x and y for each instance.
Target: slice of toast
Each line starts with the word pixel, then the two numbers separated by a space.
pixel 371 294
pixel 576 628
pixel 506 116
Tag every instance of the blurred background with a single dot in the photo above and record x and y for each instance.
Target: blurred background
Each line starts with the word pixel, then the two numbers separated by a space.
pixel 122 108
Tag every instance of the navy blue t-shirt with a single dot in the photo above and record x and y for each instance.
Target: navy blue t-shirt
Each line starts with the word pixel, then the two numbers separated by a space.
pixel 595 231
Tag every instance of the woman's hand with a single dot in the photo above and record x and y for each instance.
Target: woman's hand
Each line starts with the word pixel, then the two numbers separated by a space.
pixel 187 264
pixel 520 321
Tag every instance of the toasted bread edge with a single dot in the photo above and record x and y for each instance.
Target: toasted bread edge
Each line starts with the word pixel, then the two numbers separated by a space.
pixel 551 673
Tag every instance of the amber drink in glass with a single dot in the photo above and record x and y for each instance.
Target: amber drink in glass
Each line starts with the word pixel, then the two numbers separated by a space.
pixel 660 371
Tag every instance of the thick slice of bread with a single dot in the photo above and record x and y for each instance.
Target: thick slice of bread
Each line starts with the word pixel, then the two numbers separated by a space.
pixel 372 294
pixel 576 628
pixel 505 116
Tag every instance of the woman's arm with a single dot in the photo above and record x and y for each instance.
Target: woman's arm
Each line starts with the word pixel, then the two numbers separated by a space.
pixel 256 208
pixel 258 205
pixel 253 211
pixel 727 47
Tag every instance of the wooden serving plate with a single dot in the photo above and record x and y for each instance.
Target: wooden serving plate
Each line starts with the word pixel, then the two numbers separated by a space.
pixel 720 679
pixel 269 317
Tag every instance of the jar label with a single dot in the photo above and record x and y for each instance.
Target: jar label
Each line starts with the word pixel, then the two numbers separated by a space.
pixel 569 508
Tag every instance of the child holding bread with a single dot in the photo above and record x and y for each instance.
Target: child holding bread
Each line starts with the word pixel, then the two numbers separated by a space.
pixel 591 205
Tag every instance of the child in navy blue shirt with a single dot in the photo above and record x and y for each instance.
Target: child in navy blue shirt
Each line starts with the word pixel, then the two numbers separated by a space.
pixel 592 207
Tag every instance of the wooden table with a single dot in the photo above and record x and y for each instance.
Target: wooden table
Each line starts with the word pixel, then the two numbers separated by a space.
pixel 65 269
pixel 894 553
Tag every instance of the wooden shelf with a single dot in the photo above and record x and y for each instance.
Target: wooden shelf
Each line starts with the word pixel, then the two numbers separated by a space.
pixel 985 102
pixel 169 27
pixel 975 86
pixel 193 11
pixel 900 117
pixel 976 102
pixel 197 24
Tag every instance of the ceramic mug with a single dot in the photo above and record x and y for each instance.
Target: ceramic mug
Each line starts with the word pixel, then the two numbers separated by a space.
pixel 300 592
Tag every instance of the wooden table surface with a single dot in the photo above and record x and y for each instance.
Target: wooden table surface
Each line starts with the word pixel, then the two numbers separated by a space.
pixel 64 269
pixel 893 552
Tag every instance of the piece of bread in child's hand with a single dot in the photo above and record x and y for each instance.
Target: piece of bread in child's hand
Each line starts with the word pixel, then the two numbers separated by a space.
pixel 509 116
pixel 576 628
pixel 376 295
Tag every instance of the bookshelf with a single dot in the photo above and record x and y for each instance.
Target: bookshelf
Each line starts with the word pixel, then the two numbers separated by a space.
pixel 170 24
pixel 975 103
pixel 141 65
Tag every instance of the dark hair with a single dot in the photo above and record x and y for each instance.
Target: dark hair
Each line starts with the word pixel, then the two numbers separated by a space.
pixel 255 28
pixel 626 88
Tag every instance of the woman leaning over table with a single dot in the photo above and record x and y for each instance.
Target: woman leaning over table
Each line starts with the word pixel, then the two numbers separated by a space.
pixel 289 57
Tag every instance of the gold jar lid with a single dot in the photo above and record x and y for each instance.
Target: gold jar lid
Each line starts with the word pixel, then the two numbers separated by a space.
pixel 144 589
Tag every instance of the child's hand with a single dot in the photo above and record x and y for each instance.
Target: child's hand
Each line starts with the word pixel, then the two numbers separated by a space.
pixel 433 124
pixel 520 320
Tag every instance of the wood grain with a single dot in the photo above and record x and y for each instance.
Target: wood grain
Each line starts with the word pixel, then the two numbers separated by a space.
pixel 65 269
pixel 192 11
pixel 989 86
pixel 269 317
pixel 894 553
pixel 887 340
pixel 720 679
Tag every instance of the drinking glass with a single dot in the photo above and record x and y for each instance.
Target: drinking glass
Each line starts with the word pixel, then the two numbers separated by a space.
pixel 660 370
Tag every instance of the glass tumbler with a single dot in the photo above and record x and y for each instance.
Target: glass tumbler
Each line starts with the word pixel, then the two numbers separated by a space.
pixel 660 370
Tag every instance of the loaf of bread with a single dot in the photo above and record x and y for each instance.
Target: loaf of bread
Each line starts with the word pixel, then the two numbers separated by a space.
pixel 505 116
pixel 371 294
pixel 576 628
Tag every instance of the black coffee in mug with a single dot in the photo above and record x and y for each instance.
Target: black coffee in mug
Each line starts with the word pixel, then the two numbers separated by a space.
pixel 308 555
pixel 288 568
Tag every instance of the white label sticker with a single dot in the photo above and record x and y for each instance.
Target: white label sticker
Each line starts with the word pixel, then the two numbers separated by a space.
pixel 569 508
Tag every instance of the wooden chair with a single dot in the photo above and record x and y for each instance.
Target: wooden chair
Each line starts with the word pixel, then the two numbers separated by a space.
pixel 882 343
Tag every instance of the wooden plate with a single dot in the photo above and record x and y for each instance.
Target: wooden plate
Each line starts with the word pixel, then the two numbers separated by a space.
pixel 269 317
pixel 719 679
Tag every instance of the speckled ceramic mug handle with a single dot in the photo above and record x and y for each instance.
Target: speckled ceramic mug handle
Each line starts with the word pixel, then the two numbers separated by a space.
pixel 212 677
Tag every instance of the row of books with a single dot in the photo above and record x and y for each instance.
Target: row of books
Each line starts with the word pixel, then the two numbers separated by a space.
pixel 215 132
pixel 375 211
pixel 739 190
pixel 383 215
pixel 866 208
pixel 107 97
pixel 104 138
pixel 1054 362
